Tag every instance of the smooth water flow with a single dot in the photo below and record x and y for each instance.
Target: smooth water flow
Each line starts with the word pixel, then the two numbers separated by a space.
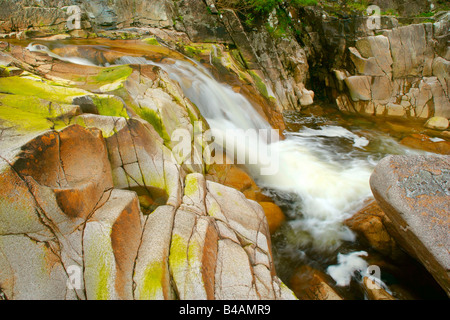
pixel 32 47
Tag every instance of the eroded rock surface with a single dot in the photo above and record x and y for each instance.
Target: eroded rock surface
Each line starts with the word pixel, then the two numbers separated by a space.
pixel 414 193
pixel 95 205
pixel 397 73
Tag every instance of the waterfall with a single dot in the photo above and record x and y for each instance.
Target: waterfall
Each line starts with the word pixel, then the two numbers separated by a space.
pixel 329 190
pixel 324 184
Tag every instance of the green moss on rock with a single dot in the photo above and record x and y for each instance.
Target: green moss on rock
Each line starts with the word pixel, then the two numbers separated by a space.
pixel 110 106
pixel 28 114
pixel 154 119
pixel 151 41
pixel 39 88
pixel 260 85
pixel 112 74
pixel 178 251
pixel 191 186
pixel 152 281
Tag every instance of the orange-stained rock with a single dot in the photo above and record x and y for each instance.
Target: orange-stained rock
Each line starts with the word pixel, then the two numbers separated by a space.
pixel 373 228
pixel 238 179
pixel 125 240
pixel 424 142
pixel 414 193
pixel 235 177
pixel 311 284
pixel 57 181
pixel 111 241
pixel 275 217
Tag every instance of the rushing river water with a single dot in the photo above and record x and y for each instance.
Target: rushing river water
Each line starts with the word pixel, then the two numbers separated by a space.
pixel 322 177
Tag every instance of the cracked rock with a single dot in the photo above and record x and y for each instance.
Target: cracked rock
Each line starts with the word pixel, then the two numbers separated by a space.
pixel 414 193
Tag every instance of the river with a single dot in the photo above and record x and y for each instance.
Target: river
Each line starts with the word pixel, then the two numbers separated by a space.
pixel 322 171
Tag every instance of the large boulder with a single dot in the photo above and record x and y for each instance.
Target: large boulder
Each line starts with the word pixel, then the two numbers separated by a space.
pixel 414 192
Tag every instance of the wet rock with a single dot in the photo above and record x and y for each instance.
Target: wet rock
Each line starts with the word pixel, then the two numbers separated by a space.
pixel 414 193
pixel 374 228
pixel 311 284
pixel 275 216
pixel 71 199
pixel 235 177
pixel 424 142
pixel 375 291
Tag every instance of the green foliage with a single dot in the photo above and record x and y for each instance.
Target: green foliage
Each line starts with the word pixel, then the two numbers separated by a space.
pixel 264 6
pixel 358 5
pixel 303 3
pixel 389 12
pixel 426 14
pixel 250 6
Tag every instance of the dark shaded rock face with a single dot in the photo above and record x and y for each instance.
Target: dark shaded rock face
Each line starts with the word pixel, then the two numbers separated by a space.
pixel 414 191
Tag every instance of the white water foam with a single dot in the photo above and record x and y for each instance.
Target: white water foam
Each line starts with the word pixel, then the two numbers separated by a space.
pixel 333 131
pixel 347 266
pixel 329 191
pixel 352 267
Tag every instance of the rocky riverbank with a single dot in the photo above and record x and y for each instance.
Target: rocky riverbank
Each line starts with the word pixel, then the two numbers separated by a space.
pixel 88 184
